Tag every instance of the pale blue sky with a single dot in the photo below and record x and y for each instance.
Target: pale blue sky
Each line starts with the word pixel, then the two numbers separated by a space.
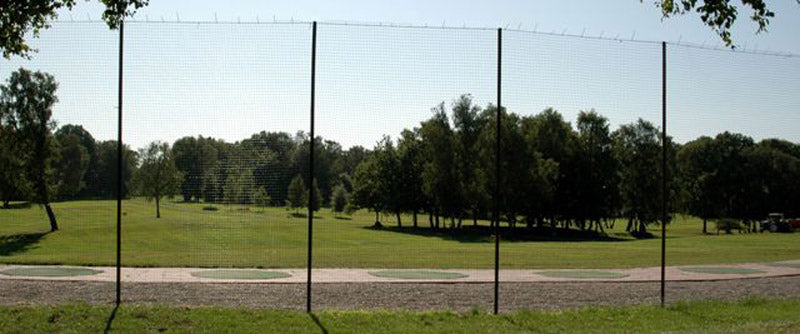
pixel 231 80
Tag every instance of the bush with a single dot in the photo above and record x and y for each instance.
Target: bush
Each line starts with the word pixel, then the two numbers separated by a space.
pixel 261 198
pixel 728 225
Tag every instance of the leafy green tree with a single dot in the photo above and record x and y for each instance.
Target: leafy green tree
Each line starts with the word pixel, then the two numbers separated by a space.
pixel 239 185
pixel 599 196
pixel 467 125
pixel 713 174
pixel 273 159
pixel 157 176
pixel 439 176
pixel 316 200
pixel 697 163
pixel 527 180
pixel 350 159
pixel 19 19
pixel 13 181
pixel 367 187
pixel 105 179
pixel 553 143
pixel 326 153
pixel 637 147
pixel 296 195
pixel 27 102
pixel 770 183
pixel 339 199
pixel 390 184
pixel 72 165
pixel 411 160
pixel 214 178
pixel 261 198
pixel 194 158
pixel 91 185
pixel 719 15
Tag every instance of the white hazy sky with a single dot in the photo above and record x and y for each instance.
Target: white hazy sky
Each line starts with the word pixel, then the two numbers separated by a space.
pixel 231 80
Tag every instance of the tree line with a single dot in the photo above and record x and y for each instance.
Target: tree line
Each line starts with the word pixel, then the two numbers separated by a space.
pixel 553 174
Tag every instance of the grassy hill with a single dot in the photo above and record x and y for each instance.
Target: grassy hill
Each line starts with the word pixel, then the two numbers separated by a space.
pixel 238 236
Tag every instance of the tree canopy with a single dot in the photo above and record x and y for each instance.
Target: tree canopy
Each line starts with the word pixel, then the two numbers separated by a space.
pixel 719 15
pixel 157 176
pixel 19 18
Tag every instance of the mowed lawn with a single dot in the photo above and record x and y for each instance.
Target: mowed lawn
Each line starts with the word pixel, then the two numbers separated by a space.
pixel 747 316
pixel 237 236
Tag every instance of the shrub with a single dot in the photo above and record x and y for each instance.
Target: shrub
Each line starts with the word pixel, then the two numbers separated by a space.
pixel 728 225
pixel 261 198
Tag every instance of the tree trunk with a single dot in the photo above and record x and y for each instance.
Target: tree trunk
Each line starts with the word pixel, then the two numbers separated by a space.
pixel 158 207
pixel 415 218
pixel 399 222
pixel 6 204
pixel 704 226
pixel 430 218
pixel 52 216
pixel 474 220
pixel 377 219
pixel 437 220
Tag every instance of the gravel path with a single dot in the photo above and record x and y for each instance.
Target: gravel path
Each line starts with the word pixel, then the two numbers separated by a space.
pixel 361 275
pixel 453 296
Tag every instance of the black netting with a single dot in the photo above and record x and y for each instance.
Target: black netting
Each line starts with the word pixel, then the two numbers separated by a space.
pixel 217 170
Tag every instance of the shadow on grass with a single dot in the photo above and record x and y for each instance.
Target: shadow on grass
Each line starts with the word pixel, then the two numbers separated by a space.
pixel 319 323
pixel 302 215
pixel 13 206
pixel 507 234
pixel 18 243
pixel 343 218
pixel 110 320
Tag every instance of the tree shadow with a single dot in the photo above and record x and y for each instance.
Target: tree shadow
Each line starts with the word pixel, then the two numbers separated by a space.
pixel 19 243
pixel 478 234
pixel 319 323
pixel 343 218
pixel 110 320
pixel 20 205
pixel 302 215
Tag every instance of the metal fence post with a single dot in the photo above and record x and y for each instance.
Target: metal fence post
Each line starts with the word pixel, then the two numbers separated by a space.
pixel 664 192
pixel 311 164
pixel 119 166
pixel 497 176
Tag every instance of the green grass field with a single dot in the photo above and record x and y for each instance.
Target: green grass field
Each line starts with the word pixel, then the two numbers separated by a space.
pixel 748 316
pixel 235 236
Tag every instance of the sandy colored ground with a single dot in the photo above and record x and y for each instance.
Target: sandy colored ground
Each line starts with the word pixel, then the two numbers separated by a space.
pixel 343 275
pixel 450 296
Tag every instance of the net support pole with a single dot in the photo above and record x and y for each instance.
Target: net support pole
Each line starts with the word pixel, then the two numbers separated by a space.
pixel 311 165
pixel 664 190
pixel 119 168
pixel 497 177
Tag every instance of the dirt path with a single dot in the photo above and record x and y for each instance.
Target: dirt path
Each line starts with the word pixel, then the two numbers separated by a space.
pixel 346 275
pixel 453 296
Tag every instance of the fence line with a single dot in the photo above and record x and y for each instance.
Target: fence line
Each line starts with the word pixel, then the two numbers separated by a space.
pixel 689 44
pixel 494 202
pixel 498 172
